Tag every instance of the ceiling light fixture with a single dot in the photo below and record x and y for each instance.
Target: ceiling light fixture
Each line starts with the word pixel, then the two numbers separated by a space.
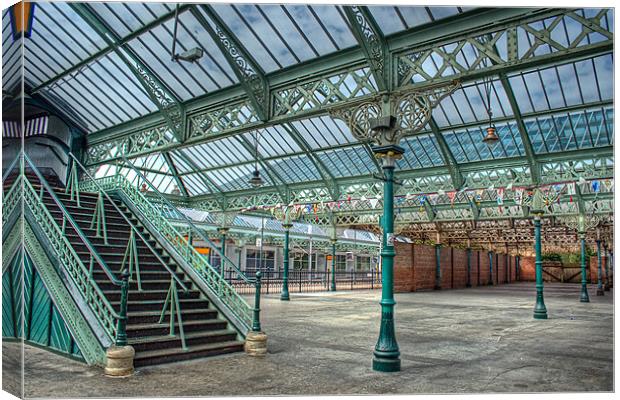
pixel 256 180
pixel 491 136
pixel 191 55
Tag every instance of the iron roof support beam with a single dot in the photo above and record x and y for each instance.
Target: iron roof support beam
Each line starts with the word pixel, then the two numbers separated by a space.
pixel 268 168
pixel 208 182
pixel 370 38
pixel 101 53
pixel 525 139
pixel 247 70
pixel 175 173
pixel 328 177
pixel 451 164
pixel 166 101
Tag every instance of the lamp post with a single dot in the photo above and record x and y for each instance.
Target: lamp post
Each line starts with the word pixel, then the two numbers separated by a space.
pixel 490 268
pixel 468 284
pixel 583 298
pixel 599 259
pixel 540 311
pixel 222 231
pixel 285 296
pixel 438 262
pixel 333 285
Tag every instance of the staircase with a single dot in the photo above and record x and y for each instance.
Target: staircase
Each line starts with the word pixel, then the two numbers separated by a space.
pixel 206 332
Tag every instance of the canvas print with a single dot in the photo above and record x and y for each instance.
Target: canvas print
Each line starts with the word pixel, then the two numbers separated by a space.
pixel 237 199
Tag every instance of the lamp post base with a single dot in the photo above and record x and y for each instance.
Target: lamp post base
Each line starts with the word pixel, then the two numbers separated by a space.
pixel 382 364
pixel 584 297
pixel 600 291
pixel 119 361
pixel 285 297
pixel 540 314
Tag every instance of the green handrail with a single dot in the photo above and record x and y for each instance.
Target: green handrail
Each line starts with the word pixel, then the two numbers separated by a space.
pixel 210 276
pixel 10 167
pixel 189 222
pixel 11 200
pixel 111 321
pixel 134 228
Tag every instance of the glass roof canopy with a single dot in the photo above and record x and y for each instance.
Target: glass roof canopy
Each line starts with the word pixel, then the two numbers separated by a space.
pixel 564 107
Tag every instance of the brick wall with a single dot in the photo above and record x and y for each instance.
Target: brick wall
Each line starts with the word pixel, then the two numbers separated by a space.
pixel 593 270
pixel 527 269
pixel 414 268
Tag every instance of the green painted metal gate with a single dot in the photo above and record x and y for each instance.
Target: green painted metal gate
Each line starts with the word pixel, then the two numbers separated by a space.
pixel 42 323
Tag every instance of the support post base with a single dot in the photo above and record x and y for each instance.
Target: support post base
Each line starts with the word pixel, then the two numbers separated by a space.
pixel 540 314
pixel 437 288
pixel 600 292
pixel 255 344
pixel 285 297
pixel 119 361
pixel 607 287
pixel 386 364
pixel 468 285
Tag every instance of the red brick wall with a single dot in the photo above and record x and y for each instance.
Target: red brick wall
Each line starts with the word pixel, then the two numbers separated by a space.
pixel 459 274
pixel 513 269
pixel 446 267
pixel 424 267
pixel 593 271
pixel 403 267
pixel 414 268
pixel 527 269
pixel 484 267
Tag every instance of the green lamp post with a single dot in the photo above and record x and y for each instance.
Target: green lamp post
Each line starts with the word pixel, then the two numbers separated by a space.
pixel 386 354
pixel 223 232
pixel 490 268
pixel 599 259
pixel 284 296
pixel 333 285
pixel 468 284
pixel 583 298
pixel 438 262
pixel 540 311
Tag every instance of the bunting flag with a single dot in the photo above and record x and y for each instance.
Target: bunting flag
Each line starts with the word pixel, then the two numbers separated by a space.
pixel 22 15
pixel 571 190
pixel 500 197
pixel 373 202
pixel 509 187
pixel 609 184
pixel 596 186
pixel 451 196
pixel 519 196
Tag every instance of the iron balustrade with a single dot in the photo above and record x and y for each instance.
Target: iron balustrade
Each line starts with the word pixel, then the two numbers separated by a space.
pixel 300 281
pixel 114 323
pixel 210 276
pixel 131 257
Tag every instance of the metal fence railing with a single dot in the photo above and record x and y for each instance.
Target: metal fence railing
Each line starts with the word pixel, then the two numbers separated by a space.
pixel 306 282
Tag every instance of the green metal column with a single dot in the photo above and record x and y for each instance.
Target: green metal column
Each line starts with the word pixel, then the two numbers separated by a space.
pixel 517 272
pixel 599 286
pixel 490 268
pixel 584 298
pixel 222 232
pixel 606 285
pixel 438 266
pixel 540 311
pixel 611 267
pixel 468 284
pixel 285 296
pixel 333 286
pixel 386 355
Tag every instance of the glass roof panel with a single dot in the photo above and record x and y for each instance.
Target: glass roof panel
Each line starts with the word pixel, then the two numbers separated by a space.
pixel 195 184
pixel 11 55
pixel 466 144
pixel 564 85
pixel 295 169
pixel 126 17
pixel 321 132
pixel 272 141
pixel 351 161
pixel 421 151
pixel 468 105
pixel 218 153
pixel 236 177
pixel 571 131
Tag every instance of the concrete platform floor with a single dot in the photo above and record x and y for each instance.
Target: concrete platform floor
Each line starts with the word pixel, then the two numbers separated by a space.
pixel 453 341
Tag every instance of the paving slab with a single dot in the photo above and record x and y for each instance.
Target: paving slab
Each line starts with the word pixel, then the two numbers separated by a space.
pixel 476 340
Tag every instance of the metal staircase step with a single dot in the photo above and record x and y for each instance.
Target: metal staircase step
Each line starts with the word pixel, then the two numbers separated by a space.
pixel 144 330
pixel 191 339
pixel 162 356
pixel 152 317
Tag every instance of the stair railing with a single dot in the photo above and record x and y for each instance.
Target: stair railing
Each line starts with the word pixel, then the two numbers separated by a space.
pixel 114 323
pixel 11 199
pixel 10 168
pixel 131 257
pixel 210 276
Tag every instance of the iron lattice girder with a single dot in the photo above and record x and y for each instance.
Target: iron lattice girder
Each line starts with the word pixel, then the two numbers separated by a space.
pixel 175 173
pixel 249 73
pixel 170 107
pixel 316 87
pixel 590 164
pixel 373 43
